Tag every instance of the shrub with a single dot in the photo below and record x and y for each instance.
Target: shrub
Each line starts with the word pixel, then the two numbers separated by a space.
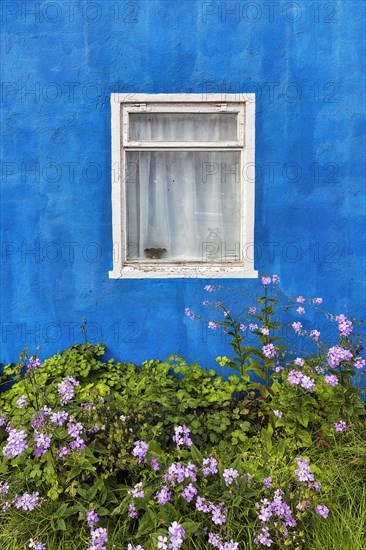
pixel 87 446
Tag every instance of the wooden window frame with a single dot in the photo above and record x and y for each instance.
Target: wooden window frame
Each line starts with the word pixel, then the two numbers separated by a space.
pixel 121 106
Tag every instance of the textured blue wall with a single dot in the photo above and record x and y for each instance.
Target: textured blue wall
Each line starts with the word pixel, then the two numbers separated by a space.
pixel 62 60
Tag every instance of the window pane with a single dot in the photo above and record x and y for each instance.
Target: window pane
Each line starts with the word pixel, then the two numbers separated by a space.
pixel 183 205
pixel 183 126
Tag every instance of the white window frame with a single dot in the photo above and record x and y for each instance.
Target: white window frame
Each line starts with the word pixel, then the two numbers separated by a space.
pixel 121 106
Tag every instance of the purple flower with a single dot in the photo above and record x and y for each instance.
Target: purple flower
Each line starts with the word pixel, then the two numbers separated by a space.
pixel 155 464
pixel 219 516
pixel 253 326
pixel 266 280
pixel 190 471
pixel 36 545
pixel 3 420
pixel 203 505
pixel 278 368
pixel 297 327
pixel 58 418
pixel 190 313
pixel 242 327
pixel 314 335
pixel 269 351
pixel 189 492
pixel 300 299
pixel 249 478
pixel 307 383
pixel 252 310
pixel 164 495
pixel 275 279
pixel 78 444
pixel 137 491
pixel 264 331
pixel 64 451
pixel 229 475
pixel 132 512
pixel 43 442
pixel 299 361
pixel 177 534
pixel 295 377
pixel 98 538
pixel 34 363
pixel 317 300
pixel 140 449
pixel 359 364
pixel 277 413
pixel 212 325
pixel 17 443
pixel 345 326
pixel 340 426
pixel 322 511
pixel 38 420
pixel 28 501
pixel 215 540
pixel 267 482
pixel 181 436
pixel 331 380
pixel 175 474
pixel 300 311
pixel 74 430
pixel 263 538
pixel 22 402
pixel 66 389
pixel 162 542
pixel 92 518
pixel 209 466
pixel 303 473
pixel 336 355
pixel 209 288
pixel 4 488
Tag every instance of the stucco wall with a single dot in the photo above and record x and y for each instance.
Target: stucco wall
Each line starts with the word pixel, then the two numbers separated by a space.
pixel 61 60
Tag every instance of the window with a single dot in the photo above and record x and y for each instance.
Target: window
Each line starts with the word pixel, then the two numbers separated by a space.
pixel 182 185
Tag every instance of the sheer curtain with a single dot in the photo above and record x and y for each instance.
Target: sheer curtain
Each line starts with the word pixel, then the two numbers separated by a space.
pixel 183 205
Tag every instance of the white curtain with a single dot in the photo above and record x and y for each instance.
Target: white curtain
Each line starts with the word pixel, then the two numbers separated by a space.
pixel 183 205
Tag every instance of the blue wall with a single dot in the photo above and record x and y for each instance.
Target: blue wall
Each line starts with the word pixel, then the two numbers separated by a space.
pixel 62 60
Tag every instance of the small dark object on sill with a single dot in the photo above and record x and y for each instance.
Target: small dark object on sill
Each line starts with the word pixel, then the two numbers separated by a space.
pixel 155 253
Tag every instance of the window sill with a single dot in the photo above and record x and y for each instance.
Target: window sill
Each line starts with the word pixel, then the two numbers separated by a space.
pixel 149 271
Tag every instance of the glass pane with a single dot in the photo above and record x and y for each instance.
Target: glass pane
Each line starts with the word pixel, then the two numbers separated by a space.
pixel 183 205
pixel 183 126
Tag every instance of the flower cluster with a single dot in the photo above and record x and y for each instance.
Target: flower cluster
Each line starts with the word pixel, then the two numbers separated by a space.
pixel 209 466
pixel 331 380
pixel 345 326
pixel 297 326
pixel 140 450
pixel 22 402
pixel 36 545
pixel 229 475
pixel 43 442
pixel 217 542
pixel 337 355
pixel 17 443
pixel 296 378
pixel 34 363
pixel 269 351
pixel 181 436
pixel 303 472
pixel 314 335
pixel 340 426
pixel 66 389
pixel 27 502
pixel 98 538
